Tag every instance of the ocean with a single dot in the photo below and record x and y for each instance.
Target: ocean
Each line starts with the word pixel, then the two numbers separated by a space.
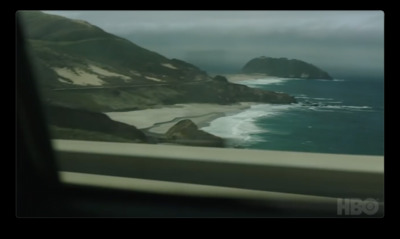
pixel 341 116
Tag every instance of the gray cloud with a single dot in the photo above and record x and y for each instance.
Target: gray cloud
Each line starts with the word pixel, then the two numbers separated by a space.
pixel 341 42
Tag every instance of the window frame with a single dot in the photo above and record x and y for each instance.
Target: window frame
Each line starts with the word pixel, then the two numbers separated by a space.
pixel 326 175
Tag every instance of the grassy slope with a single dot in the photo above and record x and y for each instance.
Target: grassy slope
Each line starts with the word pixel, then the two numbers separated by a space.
pixel 104 100
pixel 78 39
pixel 79 134
pixel 65 117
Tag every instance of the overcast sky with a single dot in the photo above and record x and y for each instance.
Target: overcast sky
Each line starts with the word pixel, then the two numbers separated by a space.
pixel 340 42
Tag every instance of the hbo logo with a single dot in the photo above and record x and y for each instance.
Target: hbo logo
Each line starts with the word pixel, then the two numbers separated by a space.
pixel 356 206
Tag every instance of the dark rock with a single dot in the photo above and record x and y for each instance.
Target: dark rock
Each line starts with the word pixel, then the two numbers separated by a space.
pixel 187 133
pixel 220 79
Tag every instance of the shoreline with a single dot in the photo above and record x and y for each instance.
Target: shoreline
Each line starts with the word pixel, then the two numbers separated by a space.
pixel 159 120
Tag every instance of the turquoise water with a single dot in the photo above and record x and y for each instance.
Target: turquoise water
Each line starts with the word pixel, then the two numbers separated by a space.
pixel 344 116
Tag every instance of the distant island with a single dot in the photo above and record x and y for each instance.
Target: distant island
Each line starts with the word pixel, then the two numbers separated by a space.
pixel 283 67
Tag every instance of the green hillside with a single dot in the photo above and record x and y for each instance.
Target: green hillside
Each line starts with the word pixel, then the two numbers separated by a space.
pixel 78 65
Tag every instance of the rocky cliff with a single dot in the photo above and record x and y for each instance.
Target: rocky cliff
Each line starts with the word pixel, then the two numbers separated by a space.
pixel 187 133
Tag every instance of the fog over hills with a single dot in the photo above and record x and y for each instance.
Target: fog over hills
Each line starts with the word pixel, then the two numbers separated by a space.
pixel 343 43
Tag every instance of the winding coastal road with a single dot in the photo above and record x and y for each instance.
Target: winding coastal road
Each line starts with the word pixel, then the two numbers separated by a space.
pixel 109 87
pixel 125 86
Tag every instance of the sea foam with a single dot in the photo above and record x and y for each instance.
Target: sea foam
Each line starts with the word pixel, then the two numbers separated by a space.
pixel 265 81
pixel 241 128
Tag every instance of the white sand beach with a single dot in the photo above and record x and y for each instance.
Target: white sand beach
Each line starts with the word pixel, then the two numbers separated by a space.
pixel 236 78
pixel 159 120
pixel 254 79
